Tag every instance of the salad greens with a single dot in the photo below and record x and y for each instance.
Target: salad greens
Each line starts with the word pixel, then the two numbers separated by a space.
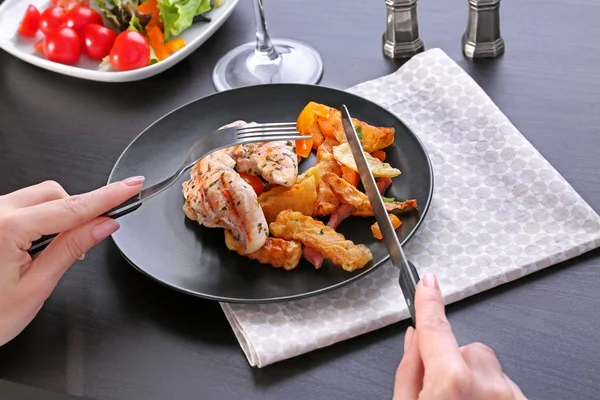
pixel 124 14
pixel 175 15
pixel 178 15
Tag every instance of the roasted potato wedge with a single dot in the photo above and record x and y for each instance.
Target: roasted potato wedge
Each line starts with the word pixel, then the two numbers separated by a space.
pixel 343 155
pixel 280 253
pixel 348 194
pixel 292 225
pixel 301 197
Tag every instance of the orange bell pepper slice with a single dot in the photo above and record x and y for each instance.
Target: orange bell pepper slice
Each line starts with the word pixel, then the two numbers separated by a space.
pixel 308 124
pixel 350 176
pixel 39 46
pixel 254 181
pixel 157 41
pixel 379 154
pixel 318 139
pixel 377 231
pixel 304 147
pixel 151 7
pixel 173 45
pixel 326 128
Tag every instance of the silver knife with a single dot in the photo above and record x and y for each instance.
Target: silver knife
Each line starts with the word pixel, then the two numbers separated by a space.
pixel 409 276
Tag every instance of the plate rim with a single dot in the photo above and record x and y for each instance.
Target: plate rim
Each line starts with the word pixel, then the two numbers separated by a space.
pixel 115 76
pixel 353 278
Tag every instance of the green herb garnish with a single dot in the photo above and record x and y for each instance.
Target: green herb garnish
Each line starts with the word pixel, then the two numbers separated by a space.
pixel 358 132
pixel 387 199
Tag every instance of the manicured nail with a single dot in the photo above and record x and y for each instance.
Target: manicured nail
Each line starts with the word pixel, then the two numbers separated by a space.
pixel 430 281
pixel 134 181
pixel 408 337
pixel 105 229
pixel 81 257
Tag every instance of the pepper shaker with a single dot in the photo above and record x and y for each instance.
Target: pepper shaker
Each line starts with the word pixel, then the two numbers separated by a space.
pixel 482 37
pixel 401 38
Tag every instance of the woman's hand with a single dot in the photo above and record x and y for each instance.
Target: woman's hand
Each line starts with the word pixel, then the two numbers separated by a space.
pixel 434 367
pixel 45 209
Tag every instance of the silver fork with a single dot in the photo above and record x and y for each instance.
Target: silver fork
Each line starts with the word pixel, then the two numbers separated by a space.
pixel 206 144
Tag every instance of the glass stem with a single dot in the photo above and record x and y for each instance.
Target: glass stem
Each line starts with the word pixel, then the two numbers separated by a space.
pixel 265 50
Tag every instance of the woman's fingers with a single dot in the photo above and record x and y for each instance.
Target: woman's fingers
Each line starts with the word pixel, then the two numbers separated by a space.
pixel 481 359
pixel 486 370
pixel 437 344
pixel 66 214
pixel 46 270
pixel 33 195
pixel 517 393
pixel 409 375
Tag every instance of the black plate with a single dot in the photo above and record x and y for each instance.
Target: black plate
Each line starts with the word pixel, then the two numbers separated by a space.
pixel 162 243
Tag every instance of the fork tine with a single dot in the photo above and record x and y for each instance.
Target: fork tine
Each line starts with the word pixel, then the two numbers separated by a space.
pixel 272 138
pixel 266 127
pixel 266 134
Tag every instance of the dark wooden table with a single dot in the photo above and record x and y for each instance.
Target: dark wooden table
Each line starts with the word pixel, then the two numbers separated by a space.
pixel 108 332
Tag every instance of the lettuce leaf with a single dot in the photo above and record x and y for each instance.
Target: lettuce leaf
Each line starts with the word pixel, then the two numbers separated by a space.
pixel 123 14
pixel 135 24
pixel 178 15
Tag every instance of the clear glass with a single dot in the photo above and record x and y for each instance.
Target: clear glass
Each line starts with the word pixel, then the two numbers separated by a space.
pixel 267 61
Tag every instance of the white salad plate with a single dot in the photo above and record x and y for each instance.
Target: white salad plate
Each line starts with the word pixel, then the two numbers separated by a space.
pixel 12 11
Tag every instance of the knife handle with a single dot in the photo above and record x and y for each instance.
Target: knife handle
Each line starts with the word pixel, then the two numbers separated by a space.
pixel 409 289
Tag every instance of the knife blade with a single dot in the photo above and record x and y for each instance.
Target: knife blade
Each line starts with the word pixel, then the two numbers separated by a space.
pixel 409 276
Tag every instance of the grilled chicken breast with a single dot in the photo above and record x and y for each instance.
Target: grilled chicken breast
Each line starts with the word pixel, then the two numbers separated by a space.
pixel 276 162
pixel 216 196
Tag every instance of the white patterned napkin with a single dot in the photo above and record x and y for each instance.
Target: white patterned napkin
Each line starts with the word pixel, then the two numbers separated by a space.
pixel 500 211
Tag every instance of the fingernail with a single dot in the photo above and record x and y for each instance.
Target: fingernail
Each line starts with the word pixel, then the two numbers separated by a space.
pixel 430 281
pixel 408 337
pixel 81 257
pixel 105 229
pixel 134 181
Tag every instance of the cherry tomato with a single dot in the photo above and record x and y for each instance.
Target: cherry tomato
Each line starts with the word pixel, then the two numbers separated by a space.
pixel 80 16
pixel 97 41
pixel 130 51
pixel 52 18
pixel 30 22
pixel 63 45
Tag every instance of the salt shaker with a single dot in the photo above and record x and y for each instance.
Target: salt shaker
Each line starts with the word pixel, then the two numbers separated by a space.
pixel 482 37
pixel 401 38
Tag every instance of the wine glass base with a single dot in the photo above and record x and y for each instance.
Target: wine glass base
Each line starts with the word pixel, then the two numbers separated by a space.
pixel 298 63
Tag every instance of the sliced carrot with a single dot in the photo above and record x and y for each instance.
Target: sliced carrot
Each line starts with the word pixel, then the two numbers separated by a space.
pixel 254 181
pixel 379 154
pixel 377 231
pixel 148 7
pixel 173 45
pixel 157 41
pixel 151 7
pixel 350 176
